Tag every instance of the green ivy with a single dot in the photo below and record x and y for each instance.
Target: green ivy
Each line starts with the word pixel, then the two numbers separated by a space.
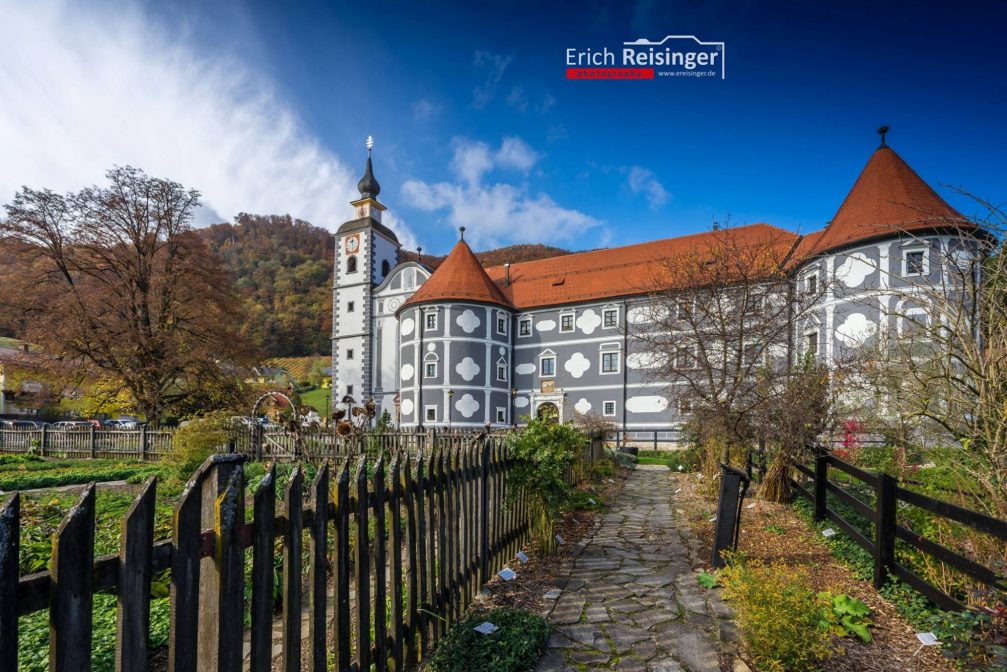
pixel 514 647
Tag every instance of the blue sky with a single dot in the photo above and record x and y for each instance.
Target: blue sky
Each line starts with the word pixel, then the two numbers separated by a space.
pixel 264 107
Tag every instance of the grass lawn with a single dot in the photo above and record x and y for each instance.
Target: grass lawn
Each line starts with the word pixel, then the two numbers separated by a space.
pixel 317 399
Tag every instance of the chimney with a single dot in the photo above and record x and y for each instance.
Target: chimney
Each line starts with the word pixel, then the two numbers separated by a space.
pixel 716 225
pixel 507 274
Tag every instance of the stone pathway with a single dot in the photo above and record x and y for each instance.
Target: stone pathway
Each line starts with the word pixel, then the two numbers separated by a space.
pixel 631 601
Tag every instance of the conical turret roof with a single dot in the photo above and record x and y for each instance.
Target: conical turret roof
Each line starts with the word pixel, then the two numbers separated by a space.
pixel 460 277
pixel 888 197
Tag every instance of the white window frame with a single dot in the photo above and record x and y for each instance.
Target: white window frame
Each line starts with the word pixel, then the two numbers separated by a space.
pixel 426 413
pixel 427 314
pixel 806 283
pixel 501 415
pixel 605 312
pixel 818 342
pixel 604 408
pixel 905 262
pixel 609 349
pixel 502 366
pixel 501 318
pixel 572 314
pixel 691 364
pixel 548 354
pixel 684 308
pixel 523 321
pixel 428 359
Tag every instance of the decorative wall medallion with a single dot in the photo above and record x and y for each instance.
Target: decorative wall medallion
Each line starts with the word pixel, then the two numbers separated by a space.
pixel 577 365
pixel 468 321
pixel 582 406
pixel 545 325
pixel 467 369
pixel 588 321
pixel 406 326
pixel 524 369
pixel 646 404
pixel 407 372
pixel 407 407
pixel 467 405
pixel 520 402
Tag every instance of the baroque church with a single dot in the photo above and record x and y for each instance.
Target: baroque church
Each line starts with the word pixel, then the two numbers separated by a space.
pixel 464 346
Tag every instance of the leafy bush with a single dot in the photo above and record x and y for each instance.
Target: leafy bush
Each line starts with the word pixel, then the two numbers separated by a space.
pixel 515 647
pixel 196 440
pixel 779 614
pixel 543 452
pixel 845 616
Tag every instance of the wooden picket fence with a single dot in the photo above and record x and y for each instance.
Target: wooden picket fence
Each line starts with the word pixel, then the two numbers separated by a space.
pixel 403 548
pixel 814 484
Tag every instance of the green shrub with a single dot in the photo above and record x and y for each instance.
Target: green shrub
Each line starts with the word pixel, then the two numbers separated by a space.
pixel 515 647
pixel 196 440
pixel 779 614
pixel 685 459
pixel 542 453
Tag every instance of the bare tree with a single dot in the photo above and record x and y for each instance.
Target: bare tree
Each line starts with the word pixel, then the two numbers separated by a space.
pixel 113 283
pixel 718 324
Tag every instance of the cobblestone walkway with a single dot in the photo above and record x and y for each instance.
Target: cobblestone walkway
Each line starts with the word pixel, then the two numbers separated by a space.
pixel 631 601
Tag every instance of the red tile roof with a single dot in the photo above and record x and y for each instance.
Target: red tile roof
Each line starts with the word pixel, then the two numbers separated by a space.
pixel 460 277
pixel 624 271
pixel 888 197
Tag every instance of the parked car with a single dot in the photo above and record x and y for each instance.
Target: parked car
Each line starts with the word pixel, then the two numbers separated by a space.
pixel 73 425
pixel 21 424
pixel 131 425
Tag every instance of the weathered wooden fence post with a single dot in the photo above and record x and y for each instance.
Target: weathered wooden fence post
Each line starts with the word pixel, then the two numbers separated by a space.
pixel 317 550
pixel 135 557
pixel 821 478
pixel 92 440
pixel 221 577
pixel 263 540
pixel 72 589
pixel 484 522
pixel 10 539
pixel 144 445
pixel 884 528
pixel 292 574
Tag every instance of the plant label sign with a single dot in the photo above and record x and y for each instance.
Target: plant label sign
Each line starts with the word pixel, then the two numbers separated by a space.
pixel 591 501
pixel 713 519
pixel 522 557
pixel 552 594
pixel 486 628
pixel 751 506
pixel 560 540
pixel 927 638
pixel 828 532
pixel 507 574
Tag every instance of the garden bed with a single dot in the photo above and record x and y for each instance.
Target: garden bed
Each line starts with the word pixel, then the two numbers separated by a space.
pixel 777 533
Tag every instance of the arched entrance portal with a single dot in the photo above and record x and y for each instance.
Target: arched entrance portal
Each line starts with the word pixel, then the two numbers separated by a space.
pixel 547 411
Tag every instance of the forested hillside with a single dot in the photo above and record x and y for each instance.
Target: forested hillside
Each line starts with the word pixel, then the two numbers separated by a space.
pixel 284 267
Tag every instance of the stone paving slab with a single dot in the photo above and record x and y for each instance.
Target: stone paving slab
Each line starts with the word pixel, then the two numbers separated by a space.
pixel 631 601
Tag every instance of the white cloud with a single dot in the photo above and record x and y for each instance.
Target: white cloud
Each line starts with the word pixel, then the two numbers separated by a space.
pixel 498 211
pixel 641 180
pixel 494 66
pixel 89 87
pixel 424 109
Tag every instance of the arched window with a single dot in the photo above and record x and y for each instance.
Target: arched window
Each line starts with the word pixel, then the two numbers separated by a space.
pixel 351 265
pixel 385 268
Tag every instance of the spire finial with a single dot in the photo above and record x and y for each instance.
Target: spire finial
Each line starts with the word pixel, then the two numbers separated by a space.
pixel 462 229
pixel 419 255
pixel 882 131
pixel 368 186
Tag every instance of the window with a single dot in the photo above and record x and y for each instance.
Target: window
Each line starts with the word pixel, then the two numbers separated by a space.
pixel 349 390
pixel 430 321
pixel 811 343
pixel 608 408
pixel 386 268
pixel 431 413
pixel 566 322
pixel 349 354
pixel 756 304
pixel 915 262
pixel 501 414
pixel 811 284
pixel 430 369
pixel 351 265
pixel 683 359
pixel 524 327
pixel 409 278
pixel 502 324
pixel 683 309
pixel 610 318
pixel 547 366
pixel 350 306
pixel 502 370
pixel 610 362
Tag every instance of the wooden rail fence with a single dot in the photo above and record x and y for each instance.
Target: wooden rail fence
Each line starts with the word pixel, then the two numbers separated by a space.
pixel 402 547
pixel 814 485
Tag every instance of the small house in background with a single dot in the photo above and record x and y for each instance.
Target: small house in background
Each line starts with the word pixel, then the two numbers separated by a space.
pixel 305 372
pixel 24 387
pixel 273 376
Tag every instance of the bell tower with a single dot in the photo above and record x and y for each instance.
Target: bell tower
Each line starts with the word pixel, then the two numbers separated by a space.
pixel 366 251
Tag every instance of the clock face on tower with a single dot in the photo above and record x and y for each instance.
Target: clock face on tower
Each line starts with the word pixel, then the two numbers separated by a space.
pixel 353 244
